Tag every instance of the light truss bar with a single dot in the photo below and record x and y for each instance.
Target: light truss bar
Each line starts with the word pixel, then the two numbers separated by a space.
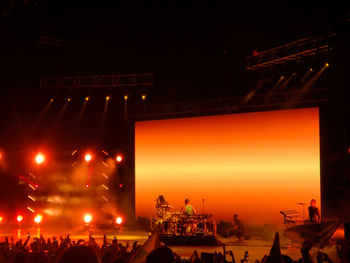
pixel 296 50
pixel 313 97
pixel 98 81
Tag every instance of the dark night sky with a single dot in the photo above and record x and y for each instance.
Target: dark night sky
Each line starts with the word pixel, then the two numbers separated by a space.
pixel 194 50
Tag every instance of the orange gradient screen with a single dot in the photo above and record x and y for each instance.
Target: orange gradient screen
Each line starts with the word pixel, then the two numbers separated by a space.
pixel 251 164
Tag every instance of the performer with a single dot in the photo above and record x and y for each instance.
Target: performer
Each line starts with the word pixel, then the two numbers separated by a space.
pixel 238 228
pixel 189 226
pixel 188 209
pixel 163 214
pixel 314 213
pixel 161 203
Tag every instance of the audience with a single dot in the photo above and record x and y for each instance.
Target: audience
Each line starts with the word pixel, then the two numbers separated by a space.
pixel 65 250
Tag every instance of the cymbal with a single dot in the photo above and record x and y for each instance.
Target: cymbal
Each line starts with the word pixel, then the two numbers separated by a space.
pixel 166 206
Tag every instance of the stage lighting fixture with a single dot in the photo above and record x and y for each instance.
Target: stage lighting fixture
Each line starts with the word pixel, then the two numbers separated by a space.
pixel 87 185
pixel 87 218
pixel 19 218
pixel 126 97
pixel 327 65
pixel 119 158
pixel 1 219
pixel 69 99
pixel 87 98
pixel 39 158
pixel 38 218
pixel 311 69
pixel 119 220
pixel 0 155
pixel 88 157
pixel 51 100
pixel 143 96
pixel 120 185
pixel 108 98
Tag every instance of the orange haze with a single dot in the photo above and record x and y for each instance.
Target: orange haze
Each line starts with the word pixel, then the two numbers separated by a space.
pixel 252 164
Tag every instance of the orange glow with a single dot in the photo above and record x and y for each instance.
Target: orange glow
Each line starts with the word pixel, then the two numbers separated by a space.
pixel 39 158
pixel 119 220
pixel 88 157
pixel 143 97
pixel 126 97
pixel 87 218
pixel 0 155
pixel 87 98
pixel 38 218
pixel 19 218
pixel 251 164
pixel 119 158
pixel 108 98
pixel 1 219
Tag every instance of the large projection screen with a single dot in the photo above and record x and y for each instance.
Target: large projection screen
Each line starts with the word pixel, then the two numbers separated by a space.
pixel 250 164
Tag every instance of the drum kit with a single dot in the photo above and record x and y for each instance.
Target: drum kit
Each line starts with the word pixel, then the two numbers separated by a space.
pixel 176 223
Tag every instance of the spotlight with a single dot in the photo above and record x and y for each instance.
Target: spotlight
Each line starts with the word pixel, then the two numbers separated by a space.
pixel 51 100
pixel 120 185
pixel 311 69
pixel 87 98
pixel 126 97
pixel 87 185
pixel 39 158
pixel 119 220
pixel 327 65
pixel 38 218
pixel 19 218
pixel 119 158
pixel 88 157
pixel 69 99
pixel 108 98
pixel 1 220
pixel 0 155
pixel 143 96
pixel 87 218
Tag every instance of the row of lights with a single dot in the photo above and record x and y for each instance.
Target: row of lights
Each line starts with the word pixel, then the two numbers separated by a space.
pixel 40 158
pixel 126 97
pixel 38 218
pixel 88 218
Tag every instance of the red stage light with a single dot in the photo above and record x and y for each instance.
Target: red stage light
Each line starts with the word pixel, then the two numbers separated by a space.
pixel 119 158
pixel 120 185
pixel 87 185
pixel 88 157
pixel 87 218
pixel 19 218
pixel 1 219
pixel 119 220
pixel 0 155
pixel 38 218
pixel 39 158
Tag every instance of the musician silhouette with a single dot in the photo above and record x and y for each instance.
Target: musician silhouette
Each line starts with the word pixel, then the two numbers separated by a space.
pixel 314 213
pixel 161 202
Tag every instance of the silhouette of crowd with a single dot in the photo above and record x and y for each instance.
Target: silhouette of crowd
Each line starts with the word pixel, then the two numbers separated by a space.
pixel 65 250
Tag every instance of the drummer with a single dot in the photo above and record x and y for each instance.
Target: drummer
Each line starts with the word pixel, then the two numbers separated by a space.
pixel 188 209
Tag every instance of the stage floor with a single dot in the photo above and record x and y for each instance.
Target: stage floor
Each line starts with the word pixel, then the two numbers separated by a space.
pixel 256 248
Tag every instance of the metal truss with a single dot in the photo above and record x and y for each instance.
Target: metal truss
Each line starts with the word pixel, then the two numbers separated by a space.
pixel 98 81
pixel 290 52
pixel 287 99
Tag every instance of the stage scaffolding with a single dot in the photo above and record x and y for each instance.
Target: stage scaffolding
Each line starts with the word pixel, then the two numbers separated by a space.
pixel 294 51
pixel 279 100
pixel 98 81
